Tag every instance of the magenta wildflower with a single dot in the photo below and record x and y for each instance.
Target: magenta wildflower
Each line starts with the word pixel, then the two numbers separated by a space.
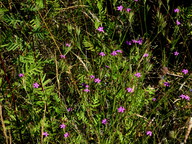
pixel 45 134
pixel 102 54
pixel 130 90
pixel 185 71
pixel 149 133
pixel 140 41
pixel 100 29
pixel 177 22
pixel 69 109
pixel 21 75
pixel 121 109
pixel 86 86
pixel 62 126
pixel 145 55
pixel 66 135
pixel 68 44
pixel 97 80
pixel 166 84
pixel 176 10
pixel 62 56
pixel 184 97
pixel 119 51
pixel 114 53
pixel 138 74
pixel 35 85
pixel 154 99
pixel 107 66
pixel 128 42
pixel 120 8
pixel 176 53
pixel 135 0
pixel 134 41
pixel 104 121
pixel 92 76
pixel 86 90
pixel 128 9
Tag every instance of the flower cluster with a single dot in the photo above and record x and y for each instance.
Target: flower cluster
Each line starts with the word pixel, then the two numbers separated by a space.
pixel 186 97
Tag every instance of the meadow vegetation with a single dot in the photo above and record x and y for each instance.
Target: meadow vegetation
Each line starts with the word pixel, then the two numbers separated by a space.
pixel 95 71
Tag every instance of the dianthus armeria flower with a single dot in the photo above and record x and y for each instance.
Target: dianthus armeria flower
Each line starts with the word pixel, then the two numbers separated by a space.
pixel 69 109
pixel 145 55
pixel 166 84
pixel 92 76
pixel 128 42
pixel 36 85
pixel 128 9
pixel 97 80
pixel 154 99
pixel 86 90
pixel 68 44
pixel 185 71
pixel 120 8
pixel 176 10
pixel 45 134
pixel 137 74
pixel 136 0
pixel 104 121
pixel 114 53
pixel 100 29
pixel 130 90
pixel 66 135
pixel 176 53
pixel 177 22
pixel 184 97
pixel 21 75
pixel 62 56
pixel 149 133
pixel 102 54
pixel 121 109
pixel 119 51
pixel 62 126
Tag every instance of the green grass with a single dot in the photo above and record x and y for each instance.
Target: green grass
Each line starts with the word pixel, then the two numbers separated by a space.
pixel 33 37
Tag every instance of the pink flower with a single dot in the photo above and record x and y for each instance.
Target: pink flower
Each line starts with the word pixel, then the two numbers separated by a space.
pixel 68 44
pixel 45 134
pixel 114 53
pixel 128 9
pixel 128 42
pixel 146 55
pixel 62 56
pixel 35 85
pixel 176 10
pixel 176 53
pixel 135 0
pixel 138 74
pixel 86 86
pixel 97 80
pixel 21 75
pixel 185 71
pixel 104 121
pixel 102 54
pixel 184 97
pixel 107 66
pixel 69 109
pixel 86 90
pixel 120 8
pixel 100 29
pixel 92 76
pixel 62 126
pixel 129 90
pixel 166 84
pixel 121 109
pixel 66 134
pixel 119 51
pixel 177 22
pixel 149 133
pixel 154 99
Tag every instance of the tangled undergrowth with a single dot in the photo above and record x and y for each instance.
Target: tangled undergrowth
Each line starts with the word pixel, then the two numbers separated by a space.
pixel 103 71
